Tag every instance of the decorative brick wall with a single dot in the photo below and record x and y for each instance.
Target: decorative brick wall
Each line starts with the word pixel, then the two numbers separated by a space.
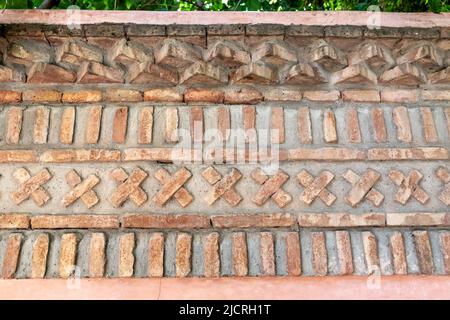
pixel 333 158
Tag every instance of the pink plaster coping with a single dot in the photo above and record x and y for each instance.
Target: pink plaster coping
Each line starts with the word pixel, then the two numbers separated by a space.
pixel 324 18
pixel 267 288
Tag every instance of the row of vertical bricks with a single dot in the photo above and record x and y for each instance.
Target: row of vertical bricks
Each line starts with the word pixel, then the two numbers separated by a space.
pixel 99 254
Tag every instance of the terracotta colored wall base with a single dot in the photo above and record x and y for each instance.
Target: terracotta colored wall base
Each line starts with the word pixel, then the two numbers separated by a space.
pixel 346 287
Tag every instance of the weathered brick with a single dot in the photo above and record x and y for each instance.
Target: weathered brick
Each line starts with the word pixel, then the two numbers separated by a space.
pixel 243 96
pixel 423 251
pixel 11 255
pixel 41 96
pixel 165 221
pixel 398 253
pixel 67 255
pixel 163 95
pixel 282 94
pixel 319 254
pixel 266 250
pixel 249 119
pixel 93 124
pixel 344 250
pixel 97 259
pixel 252 221
pixel 41 122
pixel 361 95
pixel 14 126
pixel 126 255
pixel 239 254
pixel 196 124
pixel 82 96
pixel 8 96
pixel 399 96
pixel 156 255
pixel 171 128
pixel 436 95
pixel 352 124
pixel 293 254
pixel 336 220
pixel 14 221
pixel 183 254
pixel 204 95
pixel 211 260
pixel 39 256
pixel 277 125
pixel 304 125
pixel 445 247
pixel 74 221
pixel 401 121
pixel 326 154
pixel 223 122
pixel 67 125
pixel 145 130
pixel 120 122
pixel 123 95
pixel 370 246
pixel 333 95
pixel 431 153
pixel 151 154
pixel 329 127
pixel 378 124
pixel 418 219
pixel 79 155
pixel 429 128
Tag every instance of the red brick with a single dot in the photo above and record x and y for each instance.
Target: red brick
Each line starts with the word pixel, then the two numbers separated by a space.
pixel 418 219
pixel 93 124
pixel 14 126
pixel 277 123
pixel 436 95
pixel 400 96
pixel 80 155
pixel 270 220
pixel 41 122
pixel 337 220
pixel 150 154
pixel 67 125
pixel 145 130
pixel 211 257
pixel 165 221
pixel 361 95
pixel 126 255
pixel 304 125
pixel 429 128
pixel 326 154
pixel 379 126
pixel 67 255
pixel 223 122
pixel 74 221
pixel 423 251
pixel 97 259
pixel 204 95
pixel 171 128
pixel 333 95
pixel 239 254
pixel 156 255
pixel 293 254
pixel 120 125
pixel 82 96
pixel 123 95
pixel 319 254
pixel 352 124
pixel 249 120
pixel 39 256
pixel 11 255
pixel 371 252
pixel 344 250
pixel 196 124
pixel 243 96
pixel 163 95
pixel 401 121
pixel 266 250
pixel 7 96
pixel 398 253
pixel 329 127
pixel 41 96
pixel 14 221
pixel 282 94
pixel 183 255
pixel 431 153
pixel 445 247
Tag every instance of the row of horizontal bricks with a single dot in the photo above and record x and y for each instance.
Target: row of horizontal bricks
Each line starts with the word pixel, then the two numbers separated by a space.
pixel 211 256
pixel 221 221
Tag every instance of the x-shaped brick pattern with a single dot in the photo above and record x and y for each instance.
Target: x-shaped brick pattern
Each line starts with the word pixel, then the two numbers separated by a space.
pixel 222 186
pixel 363 188
pixel 128 187
pixel 172 186
pixel 81 189
pixel 443 174
pixel 316 187
pixel 31 186
pixel 408 186
pixel 271 188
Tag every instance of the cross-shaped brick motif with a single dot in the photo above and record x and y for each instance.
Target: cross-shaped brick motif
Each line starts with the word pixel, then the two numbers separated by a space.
pixel 128 187
pixel 81 189
pixel 271 188
pixel 172 186
pixel 363 187
pixel 31 186
pixel 408 186
pixel 316 187
pixel 443 175
pixel 222 186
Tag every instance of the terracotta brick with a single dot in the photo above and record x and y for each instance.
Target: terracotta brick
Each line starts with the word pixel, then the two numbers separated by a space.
pixel 270 220
pixel 371 252
pixel 145 130
pixel 120 125
pixel 39 256
pixel 344 250
pixel 31 186
pixel 431 153
pixel 165 221
pixel 67 255
pixel 82 96
pixel 445 247
pixel 326 154
pixel 378 125
pixel 319 254
pixel 329 127
pixel 239 254
pixel 447 117
pixel 41 96
pixel 398 253
pixel 11 255
pixel 163 95
pixel 277 124
pixel 123 95
pixel 151 154
pixel 304 125
pixel 436 95
pixel 352 124
pixel 293 254
pixel 126 255
pixel 211 257
pixel 14 221
pixel 67 125
pixel 41 122
pixel 74 221
pixel 7 96
pixel 429 128
pixel 266 251
pixel 361 95
pixel 79 155
pixel 171 125
pixel 282 94
pixel 337 220
pixel 97 259
pixel 183 255
pixel 93 124
pixel 156 255
pixel 14 126
pixel 399 96
pixel 204 95
pixel 333 95
pixel 363 187
pixel 423 251
pixel 249 120
pixel 223 122
pixel 418 219
pixel 224 188
pixel 243 96
pixel 196 124
pixel 401 121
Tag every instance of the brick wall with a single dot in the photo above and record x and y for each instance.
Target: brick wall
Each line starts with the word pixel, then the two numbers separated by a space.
pixel 332 159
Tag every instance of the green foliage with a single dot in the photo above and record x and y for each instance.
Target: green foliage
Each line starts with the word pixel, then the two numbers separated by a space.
pixel 241 5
